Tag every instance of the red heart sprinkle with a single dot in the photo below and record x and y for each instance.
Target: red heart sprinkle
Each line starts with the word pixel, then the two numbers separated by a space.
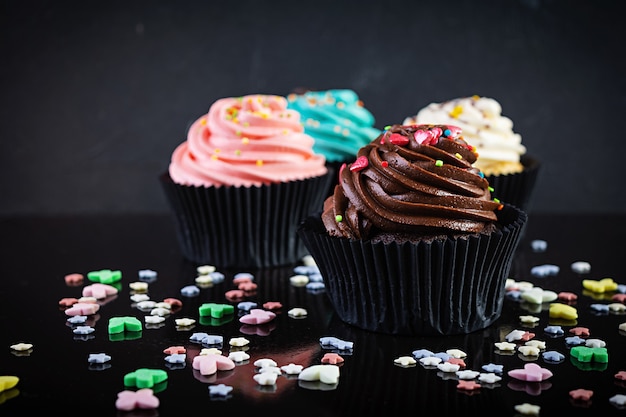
pixel 360 163
pixel 398 139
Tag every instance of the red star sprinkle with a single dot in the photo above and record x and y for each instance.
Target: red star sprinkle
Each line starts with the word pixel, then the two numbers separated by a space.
pixel 273 305
pixel 174 349
pixel 567 296
pixel 620 298
pixel 581 394
pixel 527 336
pixel 456 361
pixel 579 331
pixel 621 375
pixel 468 385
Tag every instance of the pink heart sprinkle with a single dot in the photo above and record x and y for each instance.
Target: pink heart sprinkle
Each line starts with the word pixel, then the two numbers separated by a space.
pixel 360 163
pixel 257 316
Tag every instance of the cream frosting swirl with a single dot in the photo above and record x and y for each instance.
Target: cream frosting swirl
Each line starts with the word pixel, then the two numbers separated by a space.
pixel 484 127
pixel 246 141
pixel 411 181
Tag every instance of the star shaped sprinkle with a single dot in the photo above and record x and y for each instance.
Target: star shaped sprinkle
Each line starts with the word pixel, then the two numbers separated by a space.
pixel 489 378
pixel 528 409
pixel 190 291
pixel 421 353
pixel 467 385
pixel 334 342
pixel 154 319
pixel 515 335
pixel 493 368
pixel 456 353
pixel 98 358
pixel 448 367
pixel 141 399
pixel 82 309
pixel 238 356
pixel 528 319
pixel 539 344
pixel 528 350
pixel 265 362
pixel 405 361
pixel 567 296
pixel 574 341
pixel 505 346
pixel 467 374
pixel 581 394
pixel 430 361
pixel 579 331
pixel 299 280
pixel 220 390
pixel 238 341
pixel 335 358
pixel 292 369
pixel 272 305
pixel 138 286
pixel 297 312
pixel 265 378
pixel 542 271
pixel 21 347
pixel 618 399
pixel 595 343
pixel 246 305
pixel 205 269
pixel 176 358
pixel 621 375
pixel 185 322
pixel 210 351
pixel 553 356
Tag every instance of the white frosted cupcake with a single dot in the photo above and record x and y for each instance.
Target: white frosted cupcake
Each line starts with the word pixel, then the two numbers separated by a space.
pixel 502 157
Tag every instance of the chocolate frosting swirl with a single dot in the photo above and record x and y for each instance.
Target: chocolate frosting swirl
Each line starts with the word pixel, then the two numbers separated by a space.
pixel 411 182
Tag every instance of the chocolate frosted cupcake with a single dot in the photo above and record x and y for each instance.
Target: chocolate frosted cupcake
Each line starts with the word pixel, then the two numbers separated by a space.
pixel 503 159
pixel 412 242
pixel 242 182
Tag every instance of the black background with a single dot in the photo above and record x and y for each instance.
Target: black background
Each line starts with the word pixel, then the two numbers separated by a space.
pixel 96 95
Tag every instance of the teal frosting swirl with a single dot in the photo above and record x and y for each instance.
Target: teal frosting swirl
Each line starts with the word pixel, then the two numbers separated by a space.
pixel 337 120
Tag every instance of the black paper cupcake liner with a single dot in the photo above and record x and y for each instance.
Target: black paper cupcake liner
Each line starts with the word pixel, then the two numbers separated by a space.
pixel 517 189
pixel 445 287
pixel 243 227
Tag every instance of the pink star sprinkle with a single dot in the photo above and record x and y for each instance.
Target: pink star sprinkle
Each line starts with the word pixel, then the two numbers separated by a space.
pixel 174 349
pixel 74 279
pixel 257 316
pixel 581 394
pixel 273 305
pixel 457 361
pixel 567 296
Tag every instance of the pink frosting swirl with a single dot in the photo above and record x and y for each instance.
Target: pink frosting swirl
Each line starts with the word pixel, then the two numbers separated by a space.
pixel 246 141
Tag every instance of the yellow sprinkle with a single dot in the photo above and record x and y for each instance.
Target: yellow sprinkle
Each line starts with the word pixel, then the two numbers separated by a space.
pixel 259 162
pixel 245 140
pixel 475 97
pixel 458 155
pixel 285 132
pixel 237 152
pixel 456 111
pixel 238 132
pixel 217 151
pixel 246 124
pixel 203 122
pixel 346 132
pixel 214 157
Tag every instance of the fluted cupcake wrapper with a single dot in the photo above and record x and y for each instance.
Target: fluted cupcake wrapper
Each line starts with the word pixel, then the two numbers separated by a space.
pixel 453 286
pixel 243 227
pixel 517 189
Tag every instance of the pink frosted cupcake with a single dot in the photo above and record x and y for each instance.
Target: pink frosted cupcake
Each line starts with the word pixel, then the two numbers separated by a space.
pixel 242 181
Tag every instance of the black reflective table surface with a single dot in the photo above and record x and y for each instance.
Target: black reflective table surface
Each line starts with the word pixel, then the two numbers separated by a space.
pixel 56 377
